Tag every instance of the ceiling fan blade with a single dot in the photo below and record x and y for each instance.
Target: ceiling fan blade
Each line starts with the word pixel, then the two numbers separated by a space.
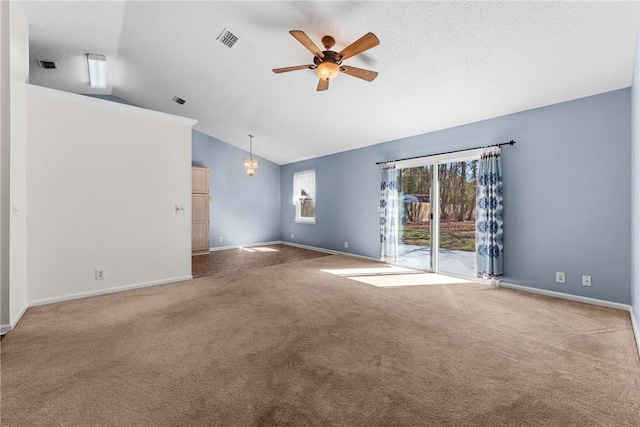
pixel 365 42
pixel 323 85
pixel 306 42
pixel 359 72
pixel 297 67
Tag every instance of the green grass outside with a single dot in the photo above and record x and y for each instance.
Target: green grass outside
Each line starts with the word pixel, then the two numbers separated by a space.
pixel 455 235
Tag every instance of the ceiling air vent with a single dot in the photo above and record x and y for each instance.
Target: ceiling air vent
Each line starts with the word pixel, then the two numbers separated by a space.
pixel 179 100
pixel 47 65
pixel 227 38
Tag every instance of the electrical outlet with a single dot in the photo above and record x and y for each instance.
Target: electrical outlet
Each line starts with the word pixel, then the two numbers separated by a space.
pixel 100 274
pixel 586 280
pixel 180 209
pixel 219 239
pixel 346 244
pixel 560 277
pixel 291 236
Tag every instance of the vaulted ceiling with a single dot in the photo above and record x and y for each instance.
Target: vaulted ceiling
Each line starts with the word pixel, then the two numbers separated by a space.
pixel 440 64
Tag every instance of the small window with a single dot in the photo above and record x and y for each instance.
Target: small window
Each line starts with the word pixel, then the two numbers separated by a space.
pixel 304 196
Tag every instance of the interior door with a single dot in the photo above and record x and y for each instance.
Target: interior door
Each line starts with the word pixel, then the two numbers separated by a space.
pixel 199 223
pixel 199 210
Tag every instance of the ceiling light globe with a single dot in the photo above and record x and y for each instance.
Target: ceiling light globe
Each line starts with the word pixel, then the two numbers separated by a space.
pixel 327 70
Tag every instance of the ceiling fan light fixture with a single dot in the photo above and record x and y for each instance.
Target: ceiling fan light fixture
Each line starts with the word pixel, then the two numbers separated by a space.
pixel 328 63
pixel 251 165
pixel 327 70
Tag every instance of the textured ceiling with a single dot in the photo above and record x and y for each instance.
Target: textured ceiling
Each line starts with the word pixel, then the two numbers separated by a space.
pixel 440 64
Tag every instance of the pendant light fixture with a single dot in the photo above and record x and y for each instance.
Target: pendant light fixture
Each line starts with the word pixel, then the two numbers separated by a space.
pixel 250 164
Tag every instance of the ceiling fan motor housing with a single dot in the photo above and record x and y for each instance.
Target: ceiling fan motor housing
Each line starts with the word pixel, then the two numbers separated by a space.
pixel 329 56
pixel 328 42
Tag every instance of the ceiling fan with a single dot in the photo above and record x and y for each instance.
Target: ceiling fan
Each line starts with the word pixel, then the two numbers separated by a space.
pixel 328 63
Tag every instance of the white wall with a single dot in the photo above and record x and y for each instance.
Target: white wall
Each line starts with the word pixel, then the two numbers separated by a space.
pixel 19 64
pixel 5 119
pixel 635 195
pixel 14 74
pixel 103 180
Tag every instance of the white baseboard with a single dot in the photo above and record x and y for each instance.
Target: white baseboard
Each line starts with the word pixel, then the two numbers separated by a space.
pixel 9 327
pixel 328 251
pixel 109 290
pixel 297 245
pixel 4 329
pixel 586 300
pixel 636 330
pixel 15 321
pixel 249 245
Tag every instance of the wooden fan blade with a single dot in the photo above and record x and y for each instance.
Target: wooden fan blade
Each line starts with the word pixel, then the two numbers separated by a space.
pixel 359 72
pixel 365 42
pixel 306 42
pixel 323 85
pixel 297 67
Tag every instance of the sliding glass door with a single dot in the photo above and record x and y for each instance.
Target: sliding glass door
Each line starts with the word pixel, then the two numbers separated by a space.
pixel 438 215
pixel 457 219
pixel 415 213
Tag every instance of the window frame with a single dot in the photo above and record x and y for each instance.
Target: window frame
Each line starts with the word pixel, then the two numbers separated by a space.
pixel 297 199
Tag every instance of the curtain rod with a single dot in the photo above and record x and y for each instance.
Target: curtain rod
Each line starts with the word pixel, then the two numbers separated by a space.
pixel 448 152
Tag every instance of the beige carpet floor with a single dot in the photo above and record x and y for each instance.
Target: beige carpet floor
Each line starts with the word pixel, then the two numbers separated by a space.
pixel 290 344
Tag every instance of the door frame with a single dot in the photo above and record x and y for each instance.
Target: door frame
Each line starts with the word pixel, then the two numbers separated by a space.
pixel 434 197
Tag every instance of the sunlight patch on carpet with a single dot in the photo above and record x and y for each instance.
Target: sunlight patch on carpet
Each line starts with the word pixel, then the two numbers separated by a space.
pixel 394 280
pixel 387 269
pixel 258 249
pixel 391 276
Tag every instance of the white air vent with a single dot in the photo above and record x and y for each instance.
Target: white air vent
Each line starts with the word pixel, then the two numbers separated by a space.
pixel 179 100
pixel 227 38
pixel 47 65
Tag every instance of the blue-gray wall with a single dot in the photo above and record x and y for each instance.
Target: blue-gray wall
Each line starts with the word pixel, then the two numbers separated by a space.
pixel 567 186
pixel 635 187
pixel 566 183
pixel 244 209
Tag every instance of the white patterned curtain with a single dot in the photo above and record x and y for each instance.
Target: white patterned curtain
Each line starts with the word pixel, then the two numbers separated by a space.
pixel 489 244
pixel 389 213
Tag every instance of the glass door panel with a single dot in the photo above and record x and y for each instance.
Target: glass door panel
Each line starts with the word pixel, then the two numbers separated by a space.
pixel 415 217
pixel 457 183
